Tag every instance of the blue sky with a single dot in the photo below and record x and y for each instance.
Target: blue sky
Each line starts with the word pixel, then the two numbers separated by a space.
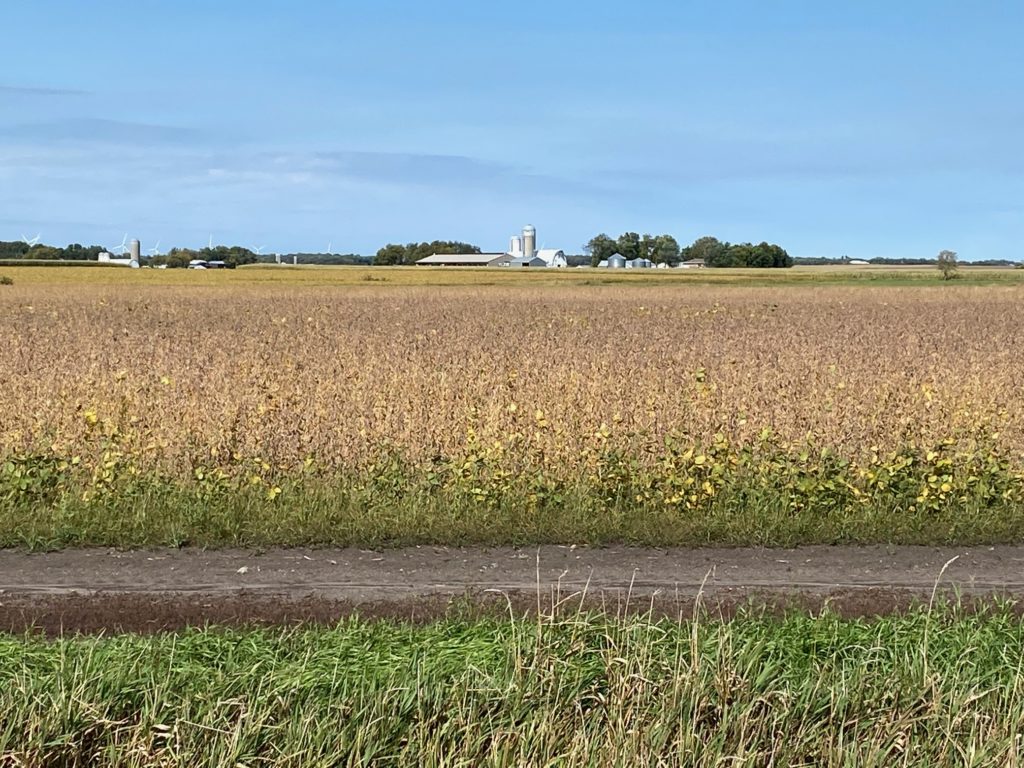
pixel 861 128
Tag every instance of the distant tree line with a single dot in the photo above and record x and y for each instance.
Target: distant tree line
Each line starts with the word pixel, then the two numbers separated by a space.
pixel 718 254
pixel 392 254
pixel 233 256
pixel 329 259
pixel 237 256
pixel 820 261
pixel 664 249
pixel 660 249
pixel 18 249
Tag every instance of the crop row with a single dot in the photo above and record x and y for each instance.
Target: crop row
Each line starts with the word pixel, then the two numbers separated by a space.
pixel 683 490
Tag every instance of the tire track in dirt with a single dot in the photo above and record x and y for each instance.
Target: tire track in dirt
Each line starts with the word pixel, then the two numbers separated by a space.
pixel 100 590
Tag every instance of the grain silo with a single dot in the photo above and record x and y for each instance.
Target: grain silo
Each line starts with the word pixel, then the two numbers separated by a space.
pixel 529 242
pixel 616 261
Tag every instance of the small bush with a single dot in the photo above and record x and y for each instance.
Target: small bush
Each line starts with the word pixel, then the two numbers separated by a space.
pixel 5 280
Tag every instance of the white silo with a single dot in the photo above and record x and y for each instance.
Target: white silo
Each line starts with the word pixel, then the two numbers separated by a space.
pixel 529 242
pixel 135 248
pixel 515 246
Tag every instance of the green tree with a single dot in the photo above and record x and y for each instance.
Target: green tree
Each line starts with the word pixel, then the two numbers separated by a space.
pixel 14 249
pixel 718 254
pixel 178 258
pixel 948 264
pixel 389 255
pixel 665 250
pixel 600 247
pixel 710 249
pixel 392 254
pixel 44 252
pixel 646 250
pixel 628 245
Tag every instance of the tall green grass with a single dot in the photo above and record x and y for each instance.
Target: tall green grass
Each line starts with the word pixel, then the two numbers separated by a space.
pixel 375 512
pixel 579 690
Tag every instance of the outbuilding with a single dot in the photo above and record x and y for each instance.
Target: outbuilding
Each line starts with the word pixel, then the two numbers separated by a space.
pixel 462 260
pixel 552 257
pixel 523 261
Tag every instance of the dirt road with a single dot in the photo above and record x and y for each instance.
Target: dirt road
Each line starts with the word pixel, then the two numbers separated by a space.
pixel 108 590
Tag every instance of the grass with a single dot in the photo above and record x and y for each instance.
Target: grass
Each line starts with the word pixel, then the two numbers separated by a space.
pixel 389 508
pixel 926 688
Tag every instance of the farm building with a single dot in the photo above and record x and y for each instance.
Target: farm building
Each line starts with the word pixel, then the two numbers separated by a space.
pixel 462 260
pixel 523 261
pixel 522 252
pixel 552 257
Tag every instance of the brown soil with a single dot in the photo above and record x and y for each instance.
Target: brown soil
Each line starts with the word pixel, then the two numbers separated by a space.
pixel 147 591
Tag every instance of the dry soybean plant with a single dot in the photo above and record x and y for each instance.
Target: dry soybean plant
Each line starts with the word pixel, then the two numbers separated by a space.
pixel 671 393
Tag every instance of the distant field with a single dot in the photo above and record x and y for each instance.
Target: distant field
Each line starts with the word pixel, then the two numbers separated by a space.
pixel 373 406
pixel 259 274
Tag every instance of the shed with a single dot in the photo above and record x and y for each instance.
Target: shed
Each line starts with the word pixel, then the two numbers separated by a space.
pixel 522 261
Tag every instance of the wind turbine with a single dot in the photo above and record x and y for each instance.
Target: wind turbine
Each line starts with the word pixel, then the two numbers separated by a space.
pixel 123 246
pixel 30 242
pixel 155 250
pixel 209 243
pixel 329 244
pixel 258 251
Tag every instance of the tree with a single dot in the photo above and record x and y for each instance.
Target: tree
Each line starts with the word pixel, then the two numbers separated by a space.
pixel 665 250
pixel 719 254
pixel 177 258
pixel 600 247
pixel 233 256
pixel 948 265
pixel 392 254
pixel 708 248
pixel 628 245
pixel 389 255
pixel 646 250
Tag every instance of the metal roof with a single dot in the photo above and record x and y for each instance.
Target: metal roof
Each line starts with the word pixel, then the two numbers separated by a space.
pixel 482 259
pixel 535 261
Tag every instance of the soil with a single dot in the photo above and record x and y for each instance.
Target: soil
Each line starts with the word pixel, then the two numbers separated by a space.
pixel 159 590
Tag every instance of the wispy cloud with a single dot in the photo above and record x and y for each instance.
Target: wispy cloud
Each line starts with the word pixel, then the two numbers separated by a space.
pixel 97 130
pixel 393 167
pixel 22 90
pixel 410 169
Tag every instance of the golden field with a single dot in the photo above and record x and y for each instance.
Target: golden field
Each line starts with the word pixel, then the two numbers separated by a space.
pixel 288 371
pixel 257 376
